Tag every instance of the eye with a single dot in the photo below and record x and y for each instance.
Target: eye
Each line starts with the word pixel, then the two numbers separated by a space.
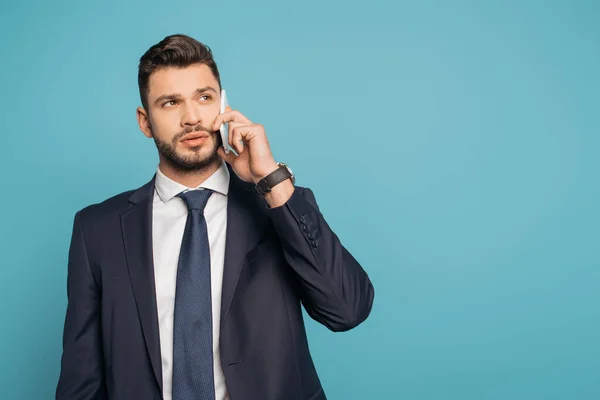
pixel 169 103
pixel 207 97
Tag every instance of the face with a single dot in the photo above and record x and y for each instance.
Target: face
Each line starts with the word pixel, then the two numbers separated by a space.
pixel 182 106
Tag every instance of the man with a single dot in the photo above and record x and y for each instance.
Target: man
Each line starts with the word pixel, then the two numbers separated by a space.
pixel 191 286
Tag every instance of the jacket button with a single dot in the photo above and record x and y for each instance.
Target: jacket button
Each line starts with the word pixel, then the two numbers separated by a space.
pixel 303 218
pixel 305 228
pixel 315 243
pixel 311 235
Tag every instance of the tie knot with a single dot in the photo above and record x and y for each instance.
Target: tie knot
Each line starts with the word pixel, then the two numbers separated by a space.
pixel 196 199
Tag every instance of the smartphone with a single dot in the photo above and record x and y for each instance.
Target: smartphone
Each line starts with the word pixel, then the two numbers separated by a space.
pixel 224 127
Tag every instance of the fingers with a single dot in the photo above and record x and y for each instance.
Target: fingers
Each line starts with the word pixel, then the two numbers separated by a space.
pixel 228 117
pixel 229 157
pixel 237 131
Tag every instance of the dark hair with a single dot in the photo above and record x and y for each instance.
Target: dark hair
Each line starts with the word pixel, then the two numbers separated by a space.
pixel 177 51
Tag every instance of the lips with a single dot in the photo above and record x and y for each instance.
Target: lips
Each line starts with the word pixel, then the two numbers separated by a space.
pixel 194 135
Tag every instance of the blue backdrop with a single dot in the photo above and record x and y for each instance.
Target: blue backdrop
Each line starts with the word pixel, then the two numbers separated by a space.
pixel 453 146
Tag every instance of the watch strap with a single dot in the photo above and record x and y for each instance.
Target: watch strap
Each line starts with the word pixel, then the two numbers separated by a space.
pixel 267 183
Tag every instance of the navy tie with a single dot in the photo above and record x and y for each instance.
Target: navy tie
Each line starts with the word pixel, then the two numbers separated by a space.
pixel 193 377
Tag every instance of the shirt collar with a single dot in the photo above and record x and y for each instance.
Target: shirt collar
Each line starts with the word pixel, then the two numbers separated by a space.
pixel 168 188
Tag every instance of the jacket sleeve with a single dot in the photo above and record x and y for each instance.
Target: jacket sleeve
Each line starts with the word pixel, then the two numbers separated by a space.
pixel 335 290
pixel 82 369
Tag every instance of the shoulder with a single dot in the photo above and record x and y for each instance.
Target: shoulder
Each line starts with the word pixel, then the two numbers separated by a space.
pixel 114 206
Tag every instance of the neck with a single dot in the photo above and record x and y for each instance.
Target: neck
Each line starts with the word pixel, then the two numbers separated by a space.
pixel 190 179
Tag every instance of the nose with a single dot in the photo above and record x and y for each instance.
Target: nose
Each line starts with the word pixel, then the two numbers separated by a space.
pixel 191 116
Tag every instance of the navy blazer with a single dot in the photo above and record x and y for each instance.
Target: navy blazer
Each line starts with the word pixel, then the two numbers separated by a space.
pixel 275 260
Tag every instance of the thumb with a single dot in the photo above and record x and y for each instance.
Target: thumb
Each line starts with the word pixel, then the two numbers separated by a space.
pixel 229 158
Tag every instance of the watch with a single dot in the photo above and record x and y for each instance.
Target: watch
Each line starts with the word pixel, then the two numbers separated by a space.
pixel 267 183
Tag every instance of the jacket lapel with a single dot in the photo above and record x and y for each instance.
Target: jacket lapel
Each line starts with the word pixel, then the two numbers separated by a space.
pixel 246 220
pixel 136 225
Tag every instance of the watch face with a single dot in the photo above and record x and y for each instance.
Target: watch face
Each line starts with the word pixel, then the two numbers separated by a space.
pixel 290 171
pixel 292 174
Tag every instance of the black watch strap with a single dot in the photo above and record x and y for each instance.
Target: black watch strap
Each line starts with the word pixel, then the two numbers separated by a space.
pixel 267 183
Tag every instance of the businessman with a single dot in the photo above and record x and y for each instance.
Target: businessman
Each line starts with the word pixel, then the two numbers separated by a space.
pixel 191 287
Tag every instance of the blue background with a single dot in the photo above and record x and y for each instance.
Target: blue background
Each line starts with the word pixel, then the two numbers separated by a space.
pixel 453 146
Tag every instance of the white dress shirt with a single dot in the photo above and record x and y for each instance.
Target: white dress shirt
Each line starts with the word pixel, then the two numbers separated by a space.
pixel 168 223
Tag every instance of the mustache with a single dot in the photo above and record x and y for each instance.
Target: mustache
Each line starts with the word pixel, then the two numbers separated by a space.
pixel 189 129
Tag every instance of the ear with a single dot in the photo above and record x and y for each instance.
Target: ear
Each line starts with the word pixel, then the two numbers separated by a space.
pixel 144 122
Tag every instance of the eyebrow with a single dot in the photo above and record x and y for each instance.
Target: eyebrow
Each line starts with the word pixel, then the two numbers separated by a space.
pixel 178 96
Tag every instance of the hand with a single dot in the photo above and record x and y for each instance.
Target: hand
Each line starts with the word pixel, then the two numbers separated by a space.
pixel 254 160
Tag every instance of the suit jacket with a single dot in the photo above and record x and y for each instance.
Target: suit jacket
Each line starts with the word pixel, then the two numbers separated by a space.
pixel 275 261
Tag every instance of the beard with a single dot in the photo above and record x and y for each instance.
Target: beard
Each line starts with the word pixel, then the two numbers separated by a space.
pixel 190 160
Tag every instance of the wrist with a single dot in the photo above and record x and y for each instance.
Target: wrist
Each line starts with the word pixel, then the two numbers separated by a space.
pixel 281 180
pixel 265 171
pixel 280 194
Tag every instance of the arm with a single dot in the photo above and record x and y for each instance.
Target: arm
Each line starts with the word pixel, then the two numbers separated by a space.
pixel 335 290
pixel 82 369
